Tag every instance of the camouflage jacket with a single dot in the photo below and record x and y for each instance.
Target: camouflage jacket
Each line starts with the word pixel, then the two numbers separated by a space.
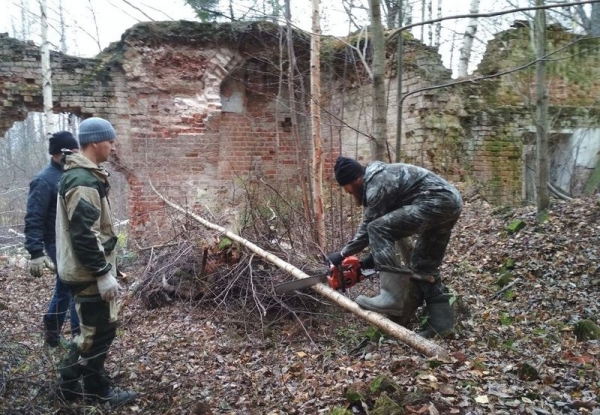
pixel 85 237
pixel 388 187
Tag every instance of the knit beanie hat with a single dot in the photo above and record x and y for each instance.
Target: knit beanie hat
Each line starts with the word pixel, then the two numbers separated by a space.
pixel 347 170
pixel 95 130
pixel 60 140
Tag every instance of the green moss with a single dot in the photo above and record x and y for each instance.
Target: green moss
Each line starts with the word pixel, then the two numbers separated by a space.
pixel 586 330
pixel 515 226
pixel 386 406
pixel 383 384
pixel 593 182
pixel 354 396
pixel 504 280
pixel 441 121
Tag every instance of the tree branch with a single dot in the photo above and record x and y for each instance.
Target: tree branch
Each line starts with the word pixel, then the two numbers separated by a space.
pixel 406 336
pixel 492 14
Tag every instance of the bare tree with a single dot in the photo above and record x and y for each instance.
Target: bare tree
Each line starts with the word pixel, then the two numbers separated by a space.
pixel 438 25
pixel 469 36
pixel 379 139
pixel 62 28
pixel 315 112
pixel 97 38
pixel 541 103
pixel 46 69
pixel 25 21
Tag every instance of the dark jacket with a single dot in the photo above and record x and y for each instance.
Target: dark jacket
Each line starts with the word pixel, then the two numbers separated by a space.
pixel 40 218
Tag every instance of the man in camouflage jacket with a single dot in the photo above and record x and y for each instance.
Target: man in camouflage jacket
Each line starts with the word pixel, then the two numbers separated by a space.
pixel 86 254
pixel 401 200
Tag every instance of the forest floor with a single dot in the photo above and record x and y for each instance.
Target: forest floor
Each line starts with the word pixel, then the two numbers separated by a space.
pixel 516 351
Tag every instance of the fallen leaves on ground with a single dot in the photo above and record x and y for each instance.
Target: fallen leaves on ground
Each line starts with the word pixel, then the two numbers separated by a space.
pixel 515 351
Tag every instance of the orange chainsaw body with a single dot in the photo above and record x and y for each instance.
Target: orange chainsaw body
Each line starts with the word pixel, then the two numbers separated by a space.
pixel 346 275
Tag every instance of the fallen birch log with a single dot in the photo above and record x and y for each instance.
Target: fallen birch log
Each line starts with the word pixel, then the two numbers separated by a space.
pixel 408 337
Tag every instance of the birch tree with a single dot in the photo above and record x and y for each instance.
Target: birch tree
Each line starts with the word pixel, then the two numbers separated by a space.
pixel 315 113
pixel 467 44
pixel 46 69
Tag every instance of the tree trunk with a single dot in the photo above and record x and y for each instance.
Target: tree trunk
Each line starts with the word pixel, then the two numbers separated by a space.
pixel 423 5
pixel 379 139
pixel 63 28
pixel 429 26
pixel 393 7
pixel 46 70
pixel 467 46
pixel 315 112
pixel 438 25
pixel 594 20
pixel 399 83
pixel 541 123
pixel 427 347
pixel 293 114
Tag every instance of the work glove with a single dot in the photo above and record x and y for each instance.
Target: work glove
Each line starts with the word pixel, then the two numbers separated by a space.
pixel 36 266
pixel 367 262
pixel 335 258
pixel 108 286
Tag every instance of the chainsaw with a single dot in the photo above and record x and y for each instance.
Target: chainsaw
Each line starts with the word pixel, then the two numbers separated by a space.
pixel 340 277
pixel 343 276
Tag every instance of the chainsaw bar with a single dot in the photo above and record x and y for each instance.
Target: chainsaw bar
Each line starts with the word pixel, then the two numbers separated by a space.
pixel 366 273
pixel 299 284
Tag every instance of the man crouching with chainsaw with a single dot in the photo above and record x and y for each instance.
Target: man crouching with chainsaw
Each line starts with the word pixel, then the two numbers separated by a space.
pixel 401 200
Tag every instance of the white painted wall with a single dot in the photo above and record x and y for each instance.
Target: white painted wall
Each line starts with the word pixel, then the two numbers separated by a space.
pixel 573 154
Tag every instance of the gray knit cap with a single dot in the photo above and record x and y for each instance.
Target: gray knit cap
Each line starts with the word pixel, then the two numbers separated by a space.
pixel 95 130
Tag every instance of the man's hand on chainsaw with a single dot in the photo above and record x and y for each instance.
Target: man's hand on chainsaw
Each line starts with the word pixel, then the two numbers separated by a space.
pixel 367 262
pixel 335 258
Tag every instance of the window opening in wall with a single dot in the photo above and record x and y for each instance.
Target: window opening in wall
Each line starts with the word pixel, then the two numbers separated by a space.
pixel 286 124
pixel 572 157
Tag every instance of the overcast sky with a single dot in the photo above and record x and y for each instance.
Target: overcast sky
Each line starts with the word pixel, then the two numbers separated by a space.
pixel 94 24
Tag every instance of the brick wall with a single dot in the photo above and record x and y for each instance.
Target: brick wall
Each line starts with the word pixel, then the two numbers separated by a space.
pixel 200 109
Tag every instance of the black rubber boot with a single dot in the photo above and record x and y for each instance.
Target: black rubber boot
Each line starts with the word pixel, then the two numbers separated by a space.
pixel 440 321
pixel 399 297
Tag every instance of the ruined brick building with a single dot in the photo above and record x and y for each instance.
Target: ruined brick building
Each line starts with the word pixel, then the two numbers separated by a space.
pixel 200 107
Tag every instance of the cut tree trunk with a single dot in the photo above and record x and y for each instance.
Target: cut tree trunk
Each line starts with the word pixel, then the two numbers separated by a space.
pixel 408 337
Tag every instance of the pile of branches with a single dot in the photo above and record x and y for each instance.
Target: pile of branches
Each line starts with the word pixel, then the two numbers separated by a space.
pixel 206 268
pixel 221 275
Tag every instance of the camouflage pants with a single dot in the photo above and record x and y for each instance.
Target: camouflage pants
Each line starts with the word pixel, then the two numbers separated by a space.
pixel 98 322
pixel 431 218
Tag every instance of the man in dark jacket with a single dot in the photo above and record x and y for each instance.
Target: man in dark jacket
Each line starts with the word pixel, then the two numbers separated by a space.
pixel 40 236
pixel 401 200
